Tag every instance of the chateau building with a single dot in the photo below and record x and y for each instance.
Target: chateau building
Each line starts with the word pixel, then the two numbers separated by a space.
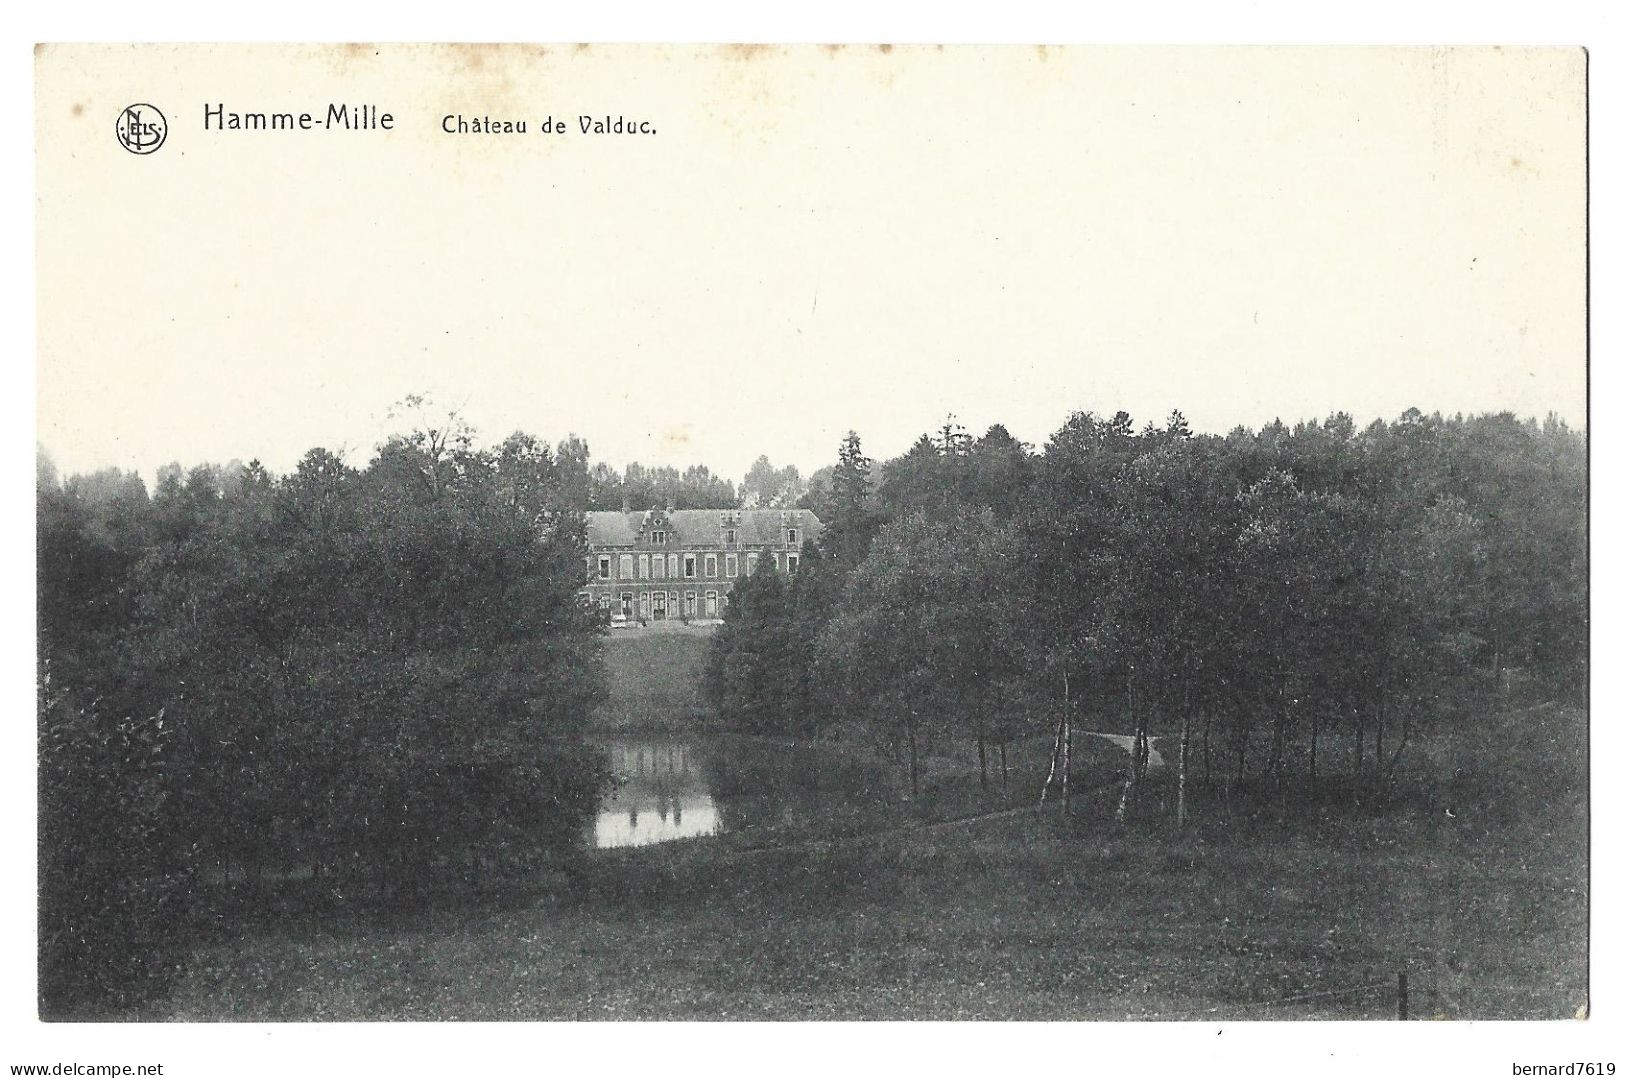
pixel 668 564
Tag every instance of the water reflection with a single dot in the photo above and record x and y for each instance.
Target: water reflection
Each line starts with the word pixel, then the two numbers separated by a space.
pixel 663 794
pixel 707 785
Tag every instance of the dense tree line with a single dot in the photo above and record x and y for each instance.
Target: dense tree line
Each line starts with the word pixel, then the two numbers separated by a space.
pixel 373 677
pixel 641 487
pixel 767 487
pixel 1242 597
pixel 755 669
pixel 377 676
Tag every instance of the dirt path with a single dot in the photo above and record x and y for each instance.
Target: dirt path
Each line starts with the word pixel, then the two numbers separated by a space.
pixel 1126 743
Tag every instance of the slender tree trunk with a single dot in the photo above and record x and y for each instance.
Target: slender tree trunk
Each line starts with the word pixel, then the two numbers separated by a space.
pixel 1133 758
pixel 981 753
pixel 1314 750
pixel 1278 750
pixel 1138 755
pixel 1134 732
pixel 1404 739
pixel 1207 754
pixel 1242 738
pixel 1278 737
pixel 913 760
pixel 1359 754
pixel 1376 771
pixel 1062 731
pixel 1066 766
pixel 1184 759
pixel 1054 759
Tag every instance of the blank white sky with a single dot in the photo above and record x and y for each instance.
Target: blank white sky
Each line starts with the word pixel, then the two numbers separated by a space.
pixel 815 240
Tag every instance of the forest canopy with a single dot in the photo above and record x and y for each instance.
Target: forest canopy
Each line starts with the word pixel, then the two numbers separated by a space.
pixel 377 675
pixel 1249 592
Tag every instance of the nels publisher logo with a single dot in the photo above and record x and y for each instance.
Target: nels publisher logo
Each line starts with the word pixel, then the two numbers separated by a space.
pixel 141 128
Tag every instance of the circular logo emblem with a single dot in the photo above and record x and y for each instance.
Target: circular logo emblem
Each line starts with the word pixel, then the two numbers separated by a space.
pixel 141 128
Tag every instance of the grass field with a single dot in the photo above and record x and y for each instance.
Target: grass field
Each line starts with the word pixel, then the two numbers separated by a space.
pixel 1473 883
pixel 654 680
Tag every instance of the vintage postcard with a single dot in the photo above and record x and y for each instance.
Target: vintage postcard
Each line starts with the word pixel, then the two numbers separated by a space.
pixel 812 533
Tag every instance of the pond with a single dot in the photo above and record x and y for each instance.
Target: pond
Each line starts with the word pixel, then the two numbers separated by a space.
pixel 663 794
pixel 682 788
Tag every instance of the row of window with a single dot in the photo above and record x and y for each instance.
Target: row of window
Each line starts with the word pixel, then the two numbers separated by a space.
pixel 660 605
pixel 686 566
pixel 730 536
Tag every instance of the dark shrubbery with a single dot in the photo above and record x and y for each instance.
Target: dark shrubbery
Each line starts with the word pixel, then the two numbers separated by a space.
pixel 108 874
pixel 371 681
pixel 1257 593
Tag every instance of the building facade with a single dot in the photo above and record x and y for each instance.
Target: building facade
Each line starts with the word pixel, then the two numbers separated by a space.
pixel 680 564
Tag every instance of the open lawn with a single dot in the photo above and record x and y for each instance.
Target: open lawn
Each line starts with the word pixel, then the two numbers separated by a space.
pixel 653 679
pixel 1472 882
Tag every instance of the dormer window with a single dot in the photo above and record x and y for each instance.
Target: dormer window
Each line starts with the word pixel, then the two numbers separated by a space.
pixel 658 538
pixel 793 537
pixel 732 536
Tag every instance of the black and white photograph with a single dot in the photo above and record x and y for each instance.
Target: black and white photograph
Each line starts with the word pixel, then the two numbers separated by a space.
pixel 886 533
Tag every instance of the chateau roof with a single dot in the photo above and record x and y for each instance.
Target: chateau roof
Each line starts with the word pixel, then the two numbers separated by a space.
pixel 700 527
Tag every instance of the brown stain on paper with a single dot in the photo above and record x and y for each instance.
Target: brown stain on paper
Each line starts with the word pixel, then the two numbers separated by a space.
pixel 473 56
pixel 750 52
